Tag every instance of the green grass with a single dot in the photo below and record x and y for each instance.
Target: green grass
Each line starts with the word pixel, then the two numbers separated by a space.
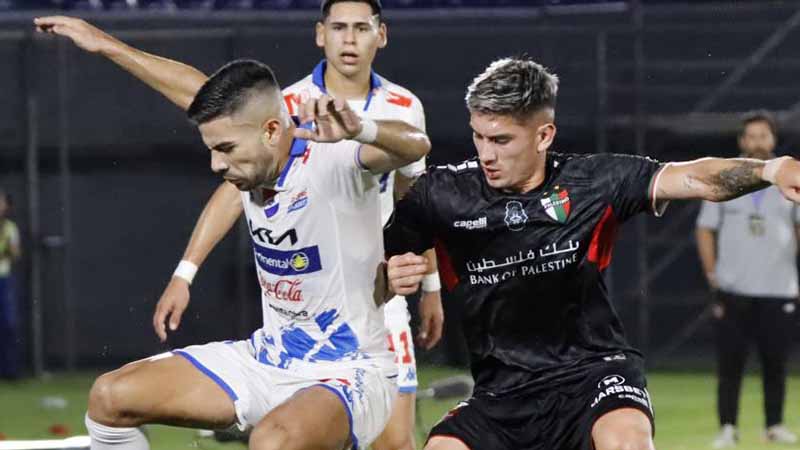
pixel 685 411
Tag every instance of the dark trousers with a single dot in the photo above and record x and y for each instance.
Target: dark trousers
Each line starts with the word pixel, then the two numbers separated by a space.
pixel 769 322
pixel 9 331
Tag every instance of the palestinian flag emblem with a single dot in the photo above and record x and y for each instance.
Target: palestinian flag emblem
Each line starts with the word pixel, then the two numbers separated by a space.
pixel 557 204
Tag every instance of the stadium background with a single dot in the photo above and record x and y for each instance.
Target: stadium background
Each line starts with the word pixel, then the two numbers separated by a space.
pixel 108 177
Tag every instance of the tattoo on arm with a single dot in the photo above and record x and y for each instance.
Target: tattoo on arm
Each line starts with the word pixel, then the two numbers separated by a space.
pixel 730 182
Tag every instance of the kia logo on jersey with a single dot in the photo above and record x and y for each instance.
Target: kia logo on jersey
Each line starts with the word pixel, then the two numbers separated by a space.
pixel 264 235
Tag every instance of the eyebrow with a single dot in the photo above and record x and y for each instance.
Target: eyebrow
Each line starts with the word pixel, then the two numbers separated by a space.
pixel 506 134
pixel 223 146
pixel 358 23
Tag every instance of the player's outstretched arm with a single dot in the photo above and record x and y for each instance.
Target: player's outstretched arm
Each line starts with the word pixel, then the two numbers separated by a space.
pixel 718 179
pixel 220 214
pixel 175 80
pixel 389 145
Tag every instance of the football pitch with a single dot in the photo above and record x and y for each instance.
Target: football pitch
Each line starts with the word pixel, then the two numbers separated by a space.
pixel 684 405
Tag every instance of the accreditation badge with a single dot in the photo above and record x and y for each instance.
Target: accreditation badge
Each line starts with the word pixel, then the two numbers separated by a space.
pixel 757 225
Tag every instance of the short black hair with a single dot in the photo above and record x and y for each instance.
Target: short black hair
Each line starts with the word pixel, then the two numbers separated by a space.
pixel 229 88
pixel 516 86
pixel 761 115
pixel 325 7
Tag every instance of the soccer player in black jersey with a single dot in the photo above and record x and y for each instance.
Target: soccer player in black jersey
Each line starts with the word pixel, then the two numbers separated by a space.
pixel 528 233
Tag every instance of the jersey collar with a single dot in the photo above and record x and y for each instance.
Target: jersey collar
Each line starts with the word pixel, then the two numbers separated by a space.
pixel 298 149
pixel 318 78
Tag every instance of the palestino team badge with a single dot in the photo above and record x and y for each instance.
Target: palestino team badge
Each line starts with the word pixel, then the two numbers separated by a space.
pixel 515 216
pixel 557 204
pixel 299 261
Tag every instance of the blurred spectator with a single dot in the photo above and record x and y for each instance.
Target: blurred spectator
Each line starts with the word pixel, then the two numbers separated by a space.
pixel 9 319
pixel 748 248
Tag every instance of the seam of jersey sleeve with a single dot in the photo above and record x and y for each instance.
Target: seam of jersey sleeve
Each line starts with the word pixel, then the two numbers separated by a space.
pixel 357 156
pixel 658 210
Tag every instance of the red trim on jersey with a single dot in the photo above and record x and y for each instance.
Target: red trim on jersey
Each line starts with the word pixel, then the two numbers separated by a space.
pixel 568 205
pixel 446 270
pixel 289 99
pixel 340 380
pixel 602 245
pixel 398 99
pixel 306 154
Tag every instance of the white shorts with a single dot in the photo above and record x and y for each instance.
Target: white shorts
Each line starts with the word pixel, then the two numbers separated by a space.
pixel 256 389
pixel 401 342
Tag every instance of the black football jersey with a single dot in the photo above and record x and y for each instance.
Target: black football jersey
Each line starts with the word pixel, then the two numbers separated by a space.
pixel 528 267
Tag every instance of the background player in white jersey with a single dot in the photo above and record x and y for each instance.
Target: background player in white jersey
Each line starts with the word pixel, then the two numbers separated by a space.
pixel 350 32
pixel 317 374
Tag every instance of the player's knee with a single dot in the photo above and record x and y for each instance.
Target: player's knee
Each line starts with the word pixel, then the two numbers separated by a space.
pixel 394 441
pixel 444 443
pixel 106 400
pixel 626 440
pixel 275 435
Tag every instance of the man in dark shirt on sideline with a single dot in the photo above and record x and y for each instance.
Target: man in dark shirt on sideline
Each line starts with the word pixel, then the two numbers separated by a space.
pixel 527 234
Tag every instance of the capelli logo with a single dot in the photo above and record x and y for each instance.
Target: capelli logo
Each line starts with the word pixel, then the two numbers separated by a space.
pixel 471 224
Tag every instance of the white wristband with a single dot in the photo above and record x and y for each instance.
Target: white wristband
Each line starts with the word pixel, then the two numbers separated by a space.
pixel 431 283
pixel 185 270
pixel 770 170
pixel 369 131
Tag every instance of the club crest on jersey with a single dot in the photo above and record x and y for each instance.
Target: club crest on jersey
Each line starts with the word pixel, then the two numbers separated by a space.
pixel 299 201
pixel 516 217
pixel 557 205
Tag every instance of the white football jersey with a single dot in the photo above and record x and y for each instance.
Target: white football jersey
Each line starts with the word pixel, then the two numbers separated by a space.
pixel 386 101
pixel 318 241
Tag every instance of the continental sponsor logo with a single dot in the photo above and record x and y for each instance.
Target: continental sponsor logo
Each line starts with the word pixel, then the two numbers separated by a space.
pixel 290 262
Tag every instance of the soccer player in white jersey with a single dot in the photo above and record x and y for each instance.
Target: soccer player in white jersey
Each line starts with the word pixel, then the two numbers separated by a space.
pixel 350 32
pixel 317 374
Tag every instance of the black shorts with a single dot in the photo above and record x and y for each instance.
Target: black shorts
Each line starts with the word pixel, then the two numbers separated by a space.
pixel 559 417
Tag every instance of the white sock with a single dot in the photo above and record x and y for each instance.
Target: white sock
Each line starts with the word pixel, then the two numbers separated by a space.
pixel 112 438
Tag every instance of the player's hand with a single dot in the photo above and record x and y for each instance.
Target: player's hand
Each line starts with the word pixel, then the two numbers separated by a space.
pixel 83 34
pixel 405 272
pixel 333 120
pixel 171 306
pixel 788 180
pixel 431 317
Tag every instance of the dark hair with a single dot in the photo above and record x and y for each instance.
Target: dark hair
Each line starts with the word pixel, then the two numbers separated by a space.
pixel 229 88
pixel 513 86
pixel 325 7
pixel 760 115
